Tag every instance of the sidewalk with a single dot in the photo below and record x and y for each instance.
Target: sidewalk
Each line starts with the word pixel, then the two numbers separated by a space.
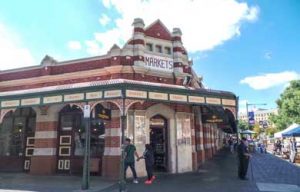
pixel 14 182
pixel 220 175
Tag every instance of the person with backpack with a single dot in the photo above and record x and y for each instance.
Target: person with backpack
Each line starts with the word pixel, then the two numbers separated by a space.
pixel 149 163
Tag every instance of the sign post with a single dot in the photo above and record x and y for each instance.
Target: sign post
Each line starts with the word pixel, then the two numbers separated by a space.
pixel 86 163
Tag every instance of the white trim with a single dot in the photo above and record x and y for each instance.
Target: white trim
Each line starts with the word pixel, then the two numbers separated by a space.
pixel 44 152
pixel 112 151
pixel 113 132
pixel 45 134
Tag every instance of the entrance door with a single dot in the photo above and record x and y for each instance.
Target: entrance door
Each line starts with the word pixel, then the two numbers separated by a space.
pixel 159 142
pixel 17 140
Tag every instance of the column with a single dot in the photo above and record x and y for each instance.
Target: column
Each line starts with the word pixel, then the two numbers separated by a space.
pixel 112 151
pixel 138 42
pixel 44 161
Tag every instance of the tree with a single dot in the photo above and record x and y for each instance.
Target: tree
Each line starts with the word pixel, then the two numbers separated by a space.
pixel 257 130
pixel 243 125
pixel 288 106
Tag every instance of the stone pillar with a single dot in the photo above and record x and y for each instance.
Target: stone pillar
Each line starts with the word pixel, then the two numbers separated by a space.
pixel 193 138
pixel 138 42
pixel 44 160
pixel 112 151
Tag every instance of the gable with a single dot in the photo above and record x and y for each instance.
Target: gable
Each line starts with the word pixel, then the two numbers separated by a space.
pixel 158 30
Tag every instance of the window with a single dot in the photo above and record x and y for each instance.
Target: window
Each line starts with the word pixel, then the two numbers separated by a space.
pixel 149 46
pixel 168 50
pixel 158 49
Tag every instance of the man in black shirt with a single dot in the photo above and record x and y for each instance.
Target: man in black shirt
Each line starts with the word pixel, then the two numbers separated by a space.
pixel 243 157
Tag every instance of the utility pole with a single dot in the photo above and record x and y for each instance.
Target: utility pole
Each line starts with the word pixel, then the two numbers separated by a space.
pixel 86 163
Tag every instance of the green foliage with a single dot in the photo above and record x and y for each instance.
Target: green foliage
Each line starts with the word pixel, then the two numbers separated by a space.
pixel 288 106
pixel 270 131
pixel 243 125
pixel 257 130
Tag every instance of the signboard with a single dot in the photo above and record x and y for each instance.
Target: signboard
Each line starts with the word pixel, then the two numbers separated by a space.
pixel 136 94
pixel 74 97
pixel 211 100
pixel 158 96
pixel 52 99
pixel 251 119
pixel 112 93
pixel 159 63
pixel 211 118
pixel 174 97
pixel 86 111
pixel 103 113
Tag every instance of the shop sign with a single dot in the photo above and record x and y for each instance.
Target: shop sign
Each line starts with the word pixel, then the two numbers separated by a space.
pixel 158 96
pixel 159 63
pixel 174 97
pixel 212 118
pixel 136 94
pixel 74 97
pixel 31 101
pixel 94 95
pixel 216 101
pixel 104 114
pixel 195 99
pixel 112 93
pixel 11 103
pixel 52 99
pixel 229 102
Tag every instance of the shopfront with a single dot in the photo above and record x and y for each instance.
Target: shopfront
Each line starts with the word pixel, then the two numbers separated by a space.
pixel 149 81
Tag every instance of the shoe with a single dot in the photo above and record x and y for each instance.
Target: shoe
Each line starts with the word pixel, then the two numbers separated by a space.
pixel 153 177
pixel 135 181
pixel 148 182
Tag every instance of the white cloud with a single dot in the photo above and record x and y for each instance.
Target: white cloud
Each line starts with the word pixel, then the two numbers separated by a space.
pixel 74 45
pixel 205 24
pixel 104 19
pixel 269 80
pixel 13 54
pixel 93 47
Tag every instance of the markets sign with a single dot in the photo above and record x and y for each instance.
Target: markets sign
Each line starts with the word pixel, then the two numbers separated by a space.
pixel 159 63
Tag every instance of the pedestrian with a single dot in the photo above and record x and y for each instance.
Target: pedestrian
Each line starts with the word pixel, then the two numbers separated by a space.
pixel 293 150
pixel 243 157
pixel 130 152
pixel 230 143
pixel 149 163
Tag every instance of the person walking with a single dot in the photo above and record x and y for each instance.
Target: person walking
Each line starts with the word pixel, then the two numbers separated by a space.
pixel 243 157
pixel 293 150
pixel 130 152
pixel 149 163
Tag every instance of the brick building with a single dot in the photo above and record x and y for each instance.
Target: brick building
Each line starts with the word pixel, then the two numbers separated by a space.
pixel 148 86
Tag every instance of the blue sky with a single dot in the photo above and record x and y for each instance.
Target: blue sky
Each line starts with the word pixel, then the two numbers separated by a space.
pixel 248 47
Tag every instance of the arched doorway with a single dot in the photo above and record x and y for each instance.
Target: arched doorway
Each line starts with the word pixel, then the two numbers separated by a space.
pixel 159 142
pixel 17 140
pixel 71 140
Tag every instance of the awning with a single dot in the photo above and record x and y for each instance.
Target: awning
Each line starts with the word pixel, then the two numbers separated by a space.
pixel 292 133
pixel 279 134
pixel 248 132
pixel 114 89
pixel 224 118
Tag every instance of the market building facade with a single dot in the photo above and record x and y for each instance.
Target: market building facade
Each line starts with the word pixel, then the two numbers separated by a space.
pixel 147 88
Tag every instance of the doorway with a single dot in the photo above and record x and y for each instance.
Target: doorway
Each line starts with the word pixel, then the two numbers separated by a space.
pixel 17 140
pixel 159 142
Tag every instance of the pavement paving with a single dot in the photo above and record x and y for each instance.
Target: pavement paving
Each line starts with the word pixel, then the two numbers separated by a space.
pixel 21 182
pixel 269 174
